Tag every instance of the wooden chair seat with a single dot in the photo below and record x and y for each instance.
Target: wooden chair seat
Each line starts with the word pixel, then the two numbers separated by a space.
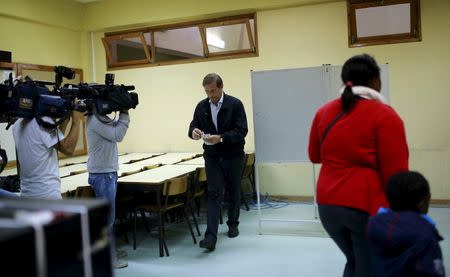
pixel 174 194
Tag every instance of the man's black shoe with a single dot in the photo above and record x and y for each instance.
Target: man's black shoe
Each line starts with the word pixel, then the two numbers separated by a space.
pixel 207 244
pixel 233 231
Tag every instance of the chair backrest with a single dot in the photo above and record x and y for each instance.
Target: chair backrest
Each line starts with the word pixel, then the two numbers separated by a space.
pixel 176 186
pixel 250 159
pixel 249 165
pixel 84 192
pixel 201 175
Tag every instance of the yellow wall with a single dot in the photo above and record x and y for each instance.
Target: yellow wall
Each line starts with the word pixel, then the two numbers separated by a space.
pixel 42 32
pixel 111 14
pixel 60 13
pixel 45 32
pixel 416 73
pixel 301 36
pixel 289 37
pixel 40 44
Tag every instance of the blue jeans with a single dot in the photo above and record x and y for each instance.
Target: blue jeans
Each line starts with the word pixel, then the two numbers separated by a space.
pixel 105 187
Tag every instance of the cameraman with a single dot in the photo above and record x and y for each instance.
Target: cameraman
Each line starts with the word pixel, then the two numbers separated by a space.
pixel 103 134
pixel 37 149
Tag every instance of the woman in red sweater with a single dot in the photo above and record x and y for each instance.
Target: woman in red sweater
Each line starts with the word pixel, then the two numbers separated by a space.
pixel 360 142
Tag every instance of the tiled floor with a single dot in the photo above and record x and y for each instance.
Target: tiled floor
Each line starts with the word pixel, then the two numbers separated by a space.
pixel 293 248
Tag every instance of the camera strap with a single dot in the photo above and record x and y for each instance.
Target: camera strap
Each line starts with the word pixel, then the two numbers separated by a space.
pixel 49 125
pixel 327 129
pixel 103 120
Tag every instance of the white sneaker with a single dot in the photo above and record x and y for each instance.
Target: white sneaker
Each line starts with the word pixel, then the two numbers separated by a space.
pixel 121 254
pixel 120 264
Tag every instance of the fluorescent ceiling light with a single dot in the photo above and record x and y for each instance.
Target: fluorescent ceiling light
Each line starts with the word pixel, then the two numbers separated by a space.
pixel 215 41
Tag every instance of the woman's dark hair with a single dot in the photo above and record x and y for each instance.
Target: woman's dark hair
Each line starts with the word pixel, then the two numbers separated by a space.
pixel 359 70
pixel 405 191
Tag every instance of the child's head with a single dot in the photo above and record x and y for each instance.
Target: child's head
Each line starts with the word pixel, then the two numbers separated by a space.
pixel 408 191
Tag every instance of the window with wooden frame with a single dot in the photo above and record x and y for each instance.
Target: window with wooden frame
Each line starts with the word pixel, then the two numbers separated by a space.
pixel 127 49
pixel 213 39
pixel 374 22
pixel 177 44
pixel 229 37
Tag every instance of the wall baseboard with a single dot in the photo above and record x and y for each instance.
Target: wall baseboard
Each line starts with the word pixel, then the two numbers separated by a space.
pixel 445 202
pixel 292 198
pixel 309 199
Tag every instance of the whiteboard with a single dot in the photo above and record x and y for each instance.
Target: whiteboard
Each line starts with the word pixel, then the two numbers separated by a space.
pixel 284 104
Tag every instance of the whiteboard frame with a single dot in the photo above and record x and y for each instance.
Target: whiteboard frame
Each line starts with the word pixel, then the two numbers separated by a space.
pixel 330 87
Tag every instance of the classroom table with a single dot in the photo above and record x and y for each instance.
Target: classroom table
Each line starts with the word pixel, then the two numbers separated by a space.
pixel 72 182
pixel 153 180
pixel 157 175
pixel 196 161
pixel 66 166
pixel 200 160
pixel 171 158
pixel 127 169
pixel 134 157
pixel 144 164
pixel 65 171
pixel 73 160
pixel 10 171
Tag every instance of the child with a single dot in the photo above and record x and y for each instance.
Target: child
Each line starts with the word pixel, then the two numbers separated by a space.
pixel 404 239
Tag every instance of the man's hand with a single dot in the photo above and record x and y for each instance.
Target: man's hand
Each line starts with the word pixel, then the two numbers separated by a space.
pixel 68 144
pixel 213 139
pixel 77 117
pixel 197 134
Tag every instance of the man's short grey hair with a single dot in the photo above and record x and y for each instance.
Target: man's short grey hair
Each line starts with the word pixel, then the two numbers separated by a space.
pixel 212 77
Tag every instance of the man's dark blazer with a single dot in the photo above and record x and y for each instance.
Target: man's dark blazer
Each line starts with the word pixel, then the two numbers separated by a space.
pixel 231 125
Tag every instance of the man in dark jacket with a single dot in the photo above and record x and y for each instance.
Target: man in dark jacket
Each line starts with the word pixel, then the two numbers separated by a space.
pixel 405 241
pixel 221 122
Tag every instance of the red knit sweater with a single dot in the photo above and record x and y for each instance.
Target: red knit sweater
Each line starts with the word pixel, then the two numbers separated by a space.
pixel 361 151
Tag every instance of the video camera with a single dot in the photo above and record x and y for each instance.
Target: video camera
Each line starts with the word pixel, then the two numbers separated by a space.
pixel 102 99
pixel 33 99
